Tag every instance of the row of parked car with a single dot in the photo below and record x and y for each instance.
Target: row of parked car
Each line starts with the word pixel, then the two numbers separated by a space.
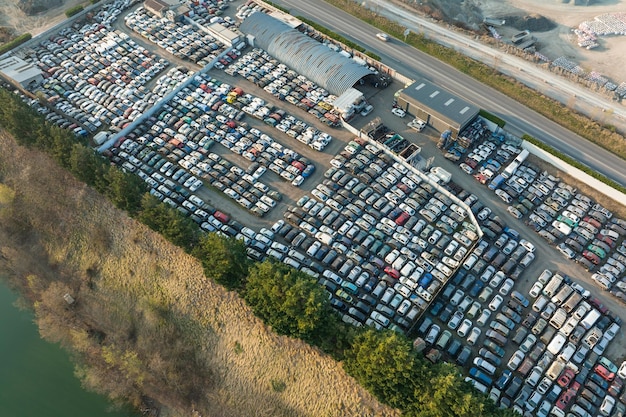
pixel 93 76
pixel 560 342
pixel 260 68
pixel 382 261
pixel 179 139
pixel 581 230
pixel 181 40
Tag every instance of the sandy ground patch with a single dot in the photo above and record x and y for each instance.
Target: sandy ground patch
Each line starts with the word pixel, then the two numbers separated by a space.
pixel 561 41
pixel 12 16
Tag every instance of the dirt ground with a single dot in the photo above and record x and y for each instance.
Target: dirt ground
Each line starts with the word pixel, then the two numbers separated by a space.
pixel 11 16
pixel 556 39
pixel 561 41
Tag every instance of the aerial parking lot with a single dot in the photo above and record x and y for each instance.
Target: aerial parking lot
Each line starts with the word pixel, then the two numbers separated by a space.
pixel 488 261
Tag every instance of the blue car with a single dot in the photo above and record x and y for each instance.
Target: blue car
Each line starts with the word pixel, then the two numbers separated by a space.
pixel 481 376
pixel 504 379
pixel 308 171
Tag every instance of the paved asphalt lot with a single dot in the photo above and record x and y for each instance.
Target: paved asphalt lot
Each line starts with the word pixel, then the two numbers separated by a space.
pixel 548 257
pixel 412 62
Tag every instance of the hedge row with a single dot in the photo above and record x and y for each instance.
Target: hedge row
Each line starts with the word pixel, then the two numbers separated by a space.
pixel 74 10
pixel 491 117
pixel 15 42
pixel 574 163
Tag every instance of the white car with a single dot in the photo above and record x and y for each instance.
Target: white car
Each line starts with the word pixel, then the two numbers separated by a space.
pixel 484 213
pixel 398 112
pixel 566 251
pixel 504 196
pixel 464 328
pixel 536 289
pixel 621 372
pixel 515 360
pixel 484 317
pixel 455 320
pixel 466 168
pixel 527 245
pixel 382 36
pixel 473 337
pixel 506 286
pixel 495 302
pixel 528 343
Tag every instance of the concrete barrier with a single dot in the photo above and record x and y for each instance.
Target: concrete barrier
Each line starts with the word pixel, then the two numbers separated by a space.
pixel 610 192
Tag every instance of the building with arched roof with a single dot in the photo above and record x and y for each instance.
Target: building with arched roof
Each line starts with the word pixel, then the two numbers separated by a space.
pixel 334 72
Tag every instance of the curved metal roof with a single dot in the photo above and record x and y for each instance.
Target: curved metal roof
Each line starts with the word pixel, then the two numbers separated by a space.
pixel 325 67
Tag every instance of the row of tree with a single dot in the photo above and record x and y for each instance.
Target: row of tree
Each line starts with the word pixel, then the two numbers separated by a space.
pixel 289 301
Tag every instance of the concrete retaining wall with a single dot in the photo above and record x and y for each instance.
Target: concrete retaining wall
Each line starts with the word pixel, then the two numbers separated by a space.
pixel 575 172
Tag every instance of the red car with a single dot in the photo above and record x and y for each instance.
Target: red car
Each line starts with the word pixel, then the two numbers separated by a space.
pixel 471 162
pixel 592 257
pixel 224 218
pixel 606 239
pixel 604 373
pixel 402 218
pixel 597 304
pixel 593 222
pixel 567 396
pixel 566 377
pixel 394 273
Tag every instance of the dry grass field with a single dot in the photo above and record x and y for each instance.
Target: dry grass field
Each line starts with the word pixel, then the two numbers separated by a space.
pixel 146 323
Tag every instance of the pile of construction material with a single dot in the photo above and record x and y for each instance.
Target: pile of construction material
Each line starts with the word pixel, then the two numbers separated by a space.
pixel 604 25
pixel 568 65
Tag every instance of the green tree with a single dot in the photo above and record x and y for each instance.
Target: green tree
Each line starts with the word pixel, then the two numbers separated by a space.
pixel 169 222
pixel 224 260
pixel 57 142
pixel 86 165
pixel 17 118
pixel 124 190
pixel 384 363
pixel 290 301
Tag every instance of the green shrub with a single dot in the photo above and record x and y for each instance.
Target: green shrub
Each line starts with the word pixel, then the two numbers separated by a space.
pixel 491 117
pixel 15 42
pixel 74 10
pixel 372 55
pixel 332 34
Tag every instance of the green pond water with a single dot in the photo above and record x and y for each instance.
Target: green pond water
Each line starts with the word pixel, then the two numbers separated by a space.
pixel 36 377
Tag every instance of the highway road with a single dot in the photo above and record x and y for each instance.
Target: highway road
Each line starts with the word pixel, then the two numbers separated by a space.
pixel 413 63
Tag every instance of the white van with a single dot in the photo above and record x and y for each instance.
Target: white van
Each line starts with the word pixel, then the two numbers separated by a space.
pixel 556 344
pixel 555 370
pixel 590 319
pixel 567 352
pixel 485 365
pixel 545 276
pixel 540 303
pixel 551 288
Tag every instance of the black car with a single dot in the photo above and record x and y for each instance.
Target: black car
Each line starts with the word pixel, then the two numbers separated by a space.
pixel 464 356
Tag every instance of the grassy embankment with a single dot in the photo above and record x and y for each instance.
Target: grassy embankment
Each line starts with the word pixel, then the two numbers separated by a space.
pixel 147 325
